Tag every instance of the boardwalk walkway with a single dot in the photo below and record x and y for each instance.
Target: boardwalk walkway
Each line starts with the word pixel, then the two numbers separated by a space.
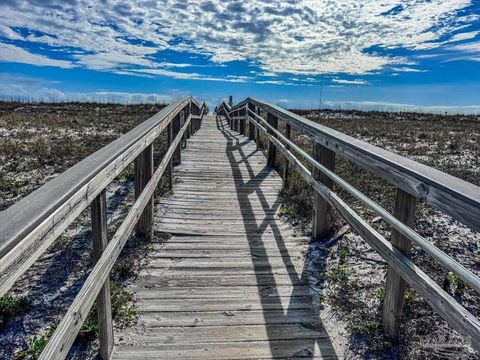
pixel 229 283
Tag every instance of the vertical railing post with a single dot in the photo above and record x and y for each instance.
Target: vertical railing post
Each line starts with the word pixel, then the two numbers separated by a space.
pixel 242 122
pixel 245 121
pixel 188 112
pixel 395 286
pixel 285 164
pixel 236 120
pixel 272 150
pixel 170 162
pixel 143 173
pixel 257 132
pixel 322 211
pixel 98 211
pixel 182 122
pixel 251 127
pixel 177 154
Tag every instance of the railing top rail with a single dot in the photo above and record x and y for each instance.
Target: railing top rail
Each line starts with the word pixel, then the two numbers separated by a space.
pixel 455 197
pixel 24 216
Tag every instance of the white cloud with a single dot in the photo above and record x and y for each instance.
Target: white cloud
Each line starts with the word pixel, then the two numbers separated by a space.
pixel 306 37
pixel 464 36
pixel 12 53
pixel 350 82
pixel 407 69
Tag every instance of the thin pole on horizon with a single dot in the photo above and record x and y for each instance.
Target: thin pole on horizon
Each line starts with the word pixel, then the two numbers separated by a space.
pixel 321 92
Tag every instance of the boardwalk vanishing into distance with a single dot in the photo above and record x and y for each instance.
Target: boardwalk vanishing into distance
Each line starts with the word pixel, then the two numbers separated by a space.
pixel 229 282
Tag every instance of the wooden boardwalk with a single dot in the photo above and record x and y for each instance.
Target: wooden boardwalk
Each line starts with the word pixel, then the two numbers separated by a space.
pixel 229 283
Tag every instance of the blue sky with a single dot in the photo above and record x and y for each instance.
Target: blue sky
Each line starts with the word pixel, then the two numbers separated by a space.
pixel 393 54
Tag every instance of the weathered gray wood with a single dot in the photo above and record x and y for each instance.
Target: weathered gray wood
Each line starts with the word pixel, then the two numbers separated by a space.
pixel 29 227
pixel 322 210
pixel 191 292
pixel 285 164
pixel 251 128
pixel 464 274
pixel 170 165
pixel 143 174
pixel 67 330
pixel 272 150
pixel 185 135
pixel 395 286
pixel 257 131
pixel 447 193
pixel 98 209
pixel 177 155
pixel 241 130
pixel 446 306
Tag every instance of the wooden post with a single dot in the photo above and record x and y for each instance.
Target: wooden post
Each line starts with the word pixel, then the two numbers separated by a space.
pixel 143 173
pixel 185 134
pixel 170 163
pixel 98 211
pixel 236 121
pixel 395 286
pixel 272 150
pixel 285 164
pixel 177 155
pixel 251 127
pixel 242 122
pixel 322 211
pixel 190 126
pixel 257 133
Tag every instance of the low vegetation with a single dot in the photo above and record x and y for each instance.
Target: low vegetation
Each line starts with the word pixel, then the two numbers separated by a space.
pixel 38 142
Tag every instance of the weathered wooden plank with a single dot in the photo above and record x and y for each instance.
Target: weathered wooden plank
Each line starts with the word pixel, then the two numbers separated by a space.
pixel 283 349
pixel 209 334
pixel 217 318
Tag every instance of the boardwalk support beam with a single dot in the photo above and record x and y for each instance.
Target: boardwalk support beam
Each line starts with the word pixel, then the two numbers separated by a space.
pixel 395 286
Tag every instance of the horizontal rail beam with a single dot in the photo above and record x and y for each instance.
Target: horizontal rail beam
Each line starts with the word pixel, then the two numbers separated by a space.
pixel 444 304
pixel 451 264
pixel 29 227
pixel 66 332
pixel 453 196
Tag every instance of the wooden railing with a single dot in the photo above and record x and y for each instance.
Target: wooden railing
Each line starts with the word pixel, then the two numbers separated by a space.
pixel 413 181
pixel 30 226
